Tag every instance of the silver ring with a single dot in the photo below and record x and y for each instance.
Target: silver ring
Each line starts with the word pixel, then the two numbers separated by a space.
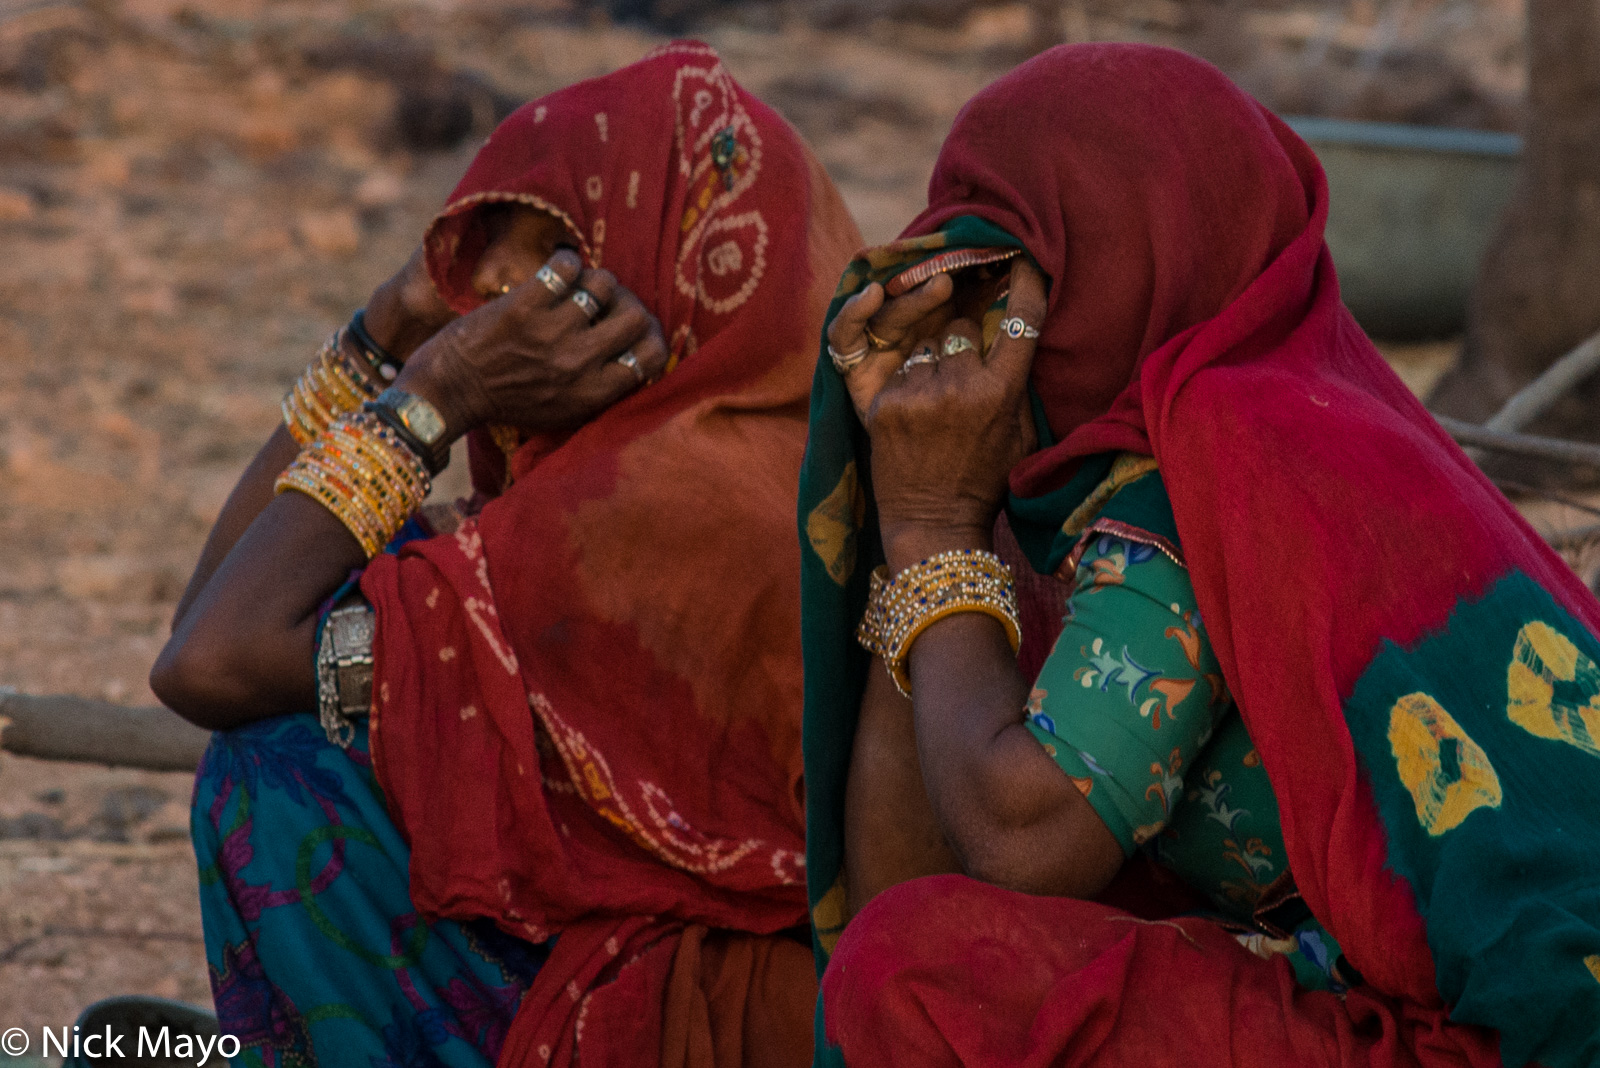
pixel 845 362
pixel 1015 328
pixel 922 357
pixel 631 362
pixel 551 281
pixel 588 302
pixel 957 343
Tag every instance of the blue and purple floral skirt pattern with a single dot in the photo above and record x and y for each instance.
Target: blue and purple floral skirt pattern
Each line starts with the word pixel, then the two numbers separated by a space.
pixel 317 955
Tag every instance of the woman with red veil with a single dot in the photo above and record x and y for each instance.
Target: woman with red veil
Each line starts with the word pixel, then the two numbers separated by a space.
pixel 553 806
pixel 1176 691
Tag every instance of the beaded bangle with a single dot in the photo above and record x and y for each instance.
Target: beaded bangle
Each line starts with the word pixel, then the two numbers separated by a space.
pixel 362 472
pixel 900 609
pixel 331 385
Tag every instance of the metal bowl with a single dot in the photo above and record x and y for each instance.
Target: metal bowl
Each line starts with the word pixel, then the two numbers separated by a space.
pixel 1411 211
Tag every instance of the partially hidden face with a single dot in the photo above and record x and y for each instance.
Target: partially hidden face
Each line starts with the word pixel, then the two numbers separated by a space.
pixel 520 238
pixel 975 291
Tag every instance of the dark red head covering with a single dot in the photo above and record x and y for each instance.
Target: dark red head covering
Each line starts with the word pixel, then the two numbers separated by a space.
pixel 1159 195
pixel 653 181
pixel 587 715
pixel 1374 602
pixel 1324 515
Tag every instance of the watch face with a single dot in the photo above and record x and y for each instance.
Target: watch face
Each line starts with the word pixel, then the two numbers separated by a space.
pixel 423 419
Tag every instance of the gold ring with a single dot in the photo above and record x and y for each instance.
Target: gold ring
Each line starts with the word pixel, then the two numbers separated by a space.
pixel 874 340
pixel 958 343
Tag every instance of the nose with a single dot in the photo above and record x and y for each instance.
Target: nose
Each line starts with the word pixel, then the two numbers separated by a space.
pixel 499 270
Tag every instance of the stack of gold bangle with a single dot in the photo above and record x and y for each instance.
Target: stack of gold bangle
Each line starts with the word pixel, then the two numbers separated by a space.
pixel 362 472
pixel 899 610
pixel 334 383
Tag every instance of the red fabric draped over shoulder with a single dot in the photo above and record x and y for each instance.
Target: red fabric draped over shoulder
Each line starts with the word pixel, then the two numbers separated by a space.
pixel 587 704
pixel 1194 315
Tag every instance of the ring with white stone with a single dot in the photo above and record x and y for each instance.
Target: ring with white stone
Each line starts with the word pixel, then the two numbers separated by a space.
pixel 588 302
pixel 551 280
pixel 923 357
pixel 845 362
pixel 1016 328
pixel 958 343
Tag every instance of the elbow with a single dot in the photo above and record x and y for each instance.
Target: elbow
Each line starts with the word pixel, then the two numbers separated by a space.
pixel 200 681
pixel 1022 828
pixel 1016 859
pixel 991 847
pixel 992 852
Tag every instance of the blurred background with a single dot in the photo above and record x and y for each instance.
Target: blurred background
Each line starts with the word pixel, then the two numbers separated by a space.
pixel 193 193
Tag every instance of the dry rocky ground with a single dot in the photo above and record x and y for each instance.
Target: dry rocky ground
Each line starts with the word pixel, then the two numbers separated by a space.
pixel 193 194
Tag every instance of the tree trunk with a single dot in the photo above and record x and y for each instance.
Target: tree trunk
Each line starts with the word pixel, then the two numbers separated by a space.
pixel 1538 290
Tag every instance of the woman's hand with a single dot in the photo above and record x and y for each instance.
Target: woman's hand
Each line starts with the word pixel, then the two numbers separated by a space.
pixel 947 432
pixel 888 329
pixel 533 360
pixel 407 310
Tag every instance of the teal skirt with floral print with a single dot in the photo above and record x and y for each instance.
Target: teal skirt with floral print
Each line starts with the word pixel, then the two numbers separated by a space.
pixel 317 955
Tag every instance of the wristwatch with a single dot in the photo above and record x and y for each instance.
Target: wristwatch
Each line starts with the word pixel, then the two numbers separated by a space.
pixel 418 423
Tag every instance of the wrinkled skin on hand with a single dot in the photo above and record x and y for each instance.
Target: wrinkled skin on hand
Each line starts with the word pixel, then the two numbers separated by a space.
pixel 945 436
pixel 532 359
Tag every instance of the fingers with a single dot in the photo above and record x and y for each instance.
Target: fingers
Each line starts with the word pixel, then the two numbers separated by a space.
pixel 592 296
pixel 534 292
pixel 624 323
pixel 643 363
pixel 962 345
pixel 847 332
pixel 1011 355
pixel 894 324
pixel 890 326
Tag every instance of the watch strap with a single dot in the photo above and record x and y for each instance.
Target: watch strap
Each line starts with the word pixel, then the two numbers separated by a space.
pixel 392 406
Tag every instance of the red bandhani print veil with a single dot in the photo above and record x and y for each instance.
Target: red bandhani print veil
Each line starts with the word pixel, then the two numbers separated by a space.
pixel 586 710
pixel 1418 671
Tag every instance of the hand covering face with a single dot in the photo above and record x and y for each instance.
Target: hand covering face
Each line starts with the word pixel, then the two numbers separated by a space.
pixel 587 699
pixel 1415 666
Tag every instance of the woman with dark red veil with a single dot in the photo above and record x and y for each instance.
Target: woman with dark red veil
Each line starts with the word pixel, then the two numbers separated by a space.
pixel 1176 691
pixel 571 825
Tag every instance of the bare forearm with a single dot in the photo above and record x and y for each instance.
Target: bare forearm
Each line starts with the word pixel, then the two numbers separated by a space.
pixel 244 650
pixel 390 327
pixel 891 833
pixel 1006 809
pixel 252 493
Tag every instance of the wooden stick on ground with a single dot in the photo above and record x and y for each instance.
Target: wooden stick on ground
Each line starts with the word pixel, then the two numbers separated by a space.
pixel 97 732
pixel 1534 399
pixel 1575 538
pixel 1576 452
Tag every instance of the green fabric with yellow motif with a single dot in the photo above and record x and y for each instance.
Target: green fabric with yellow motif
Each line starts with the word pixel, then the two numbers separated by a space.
pixel 839 548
